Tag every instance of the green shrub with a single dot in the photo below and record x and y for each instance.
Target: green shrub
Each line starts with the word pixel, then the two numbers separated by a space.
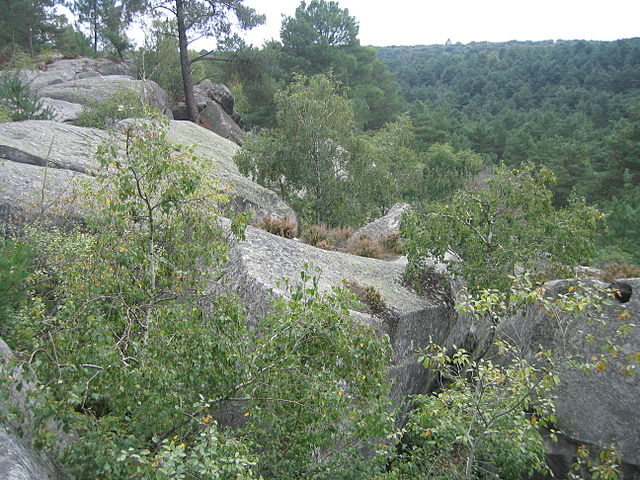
pixel 392 243
pixel 125 103
pixel 19 101
pixel 16 264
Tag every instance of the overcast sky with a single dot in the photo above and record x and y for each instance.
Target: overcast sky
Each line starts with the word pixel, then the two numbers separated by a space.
pixel 426 22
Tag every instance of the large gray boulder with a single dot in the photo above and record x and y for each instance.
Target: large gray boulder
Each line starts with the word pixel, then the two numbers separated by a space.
pixel 215 107
pixel 44 163
pixel 19 459
pixel 258 265
pixel 68 84
pixel 66 70
pixel 216 119
pixel 597 408
pixel 218 92
pixel 384 226
pixel 89 90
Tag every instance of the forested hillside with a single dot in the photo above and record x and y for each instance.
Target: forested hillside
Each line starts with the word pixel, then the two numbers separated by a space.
pixel 570 105
pixel 183 288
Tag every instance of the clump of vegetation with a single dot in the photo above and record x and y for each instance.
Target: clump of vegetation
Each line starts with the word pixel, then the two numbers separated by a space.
pixel 18 102
pixel 125 103
pixel 325 237
pixel 368 296
pixel 392 243
pixel 365 246
pixel 429 282
pixel 613 271
pixel 283 227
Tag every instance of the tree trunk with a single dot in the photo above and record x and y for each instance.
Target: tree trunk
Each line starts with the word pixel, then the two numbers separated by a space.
pixel 187 81
pixel 30 41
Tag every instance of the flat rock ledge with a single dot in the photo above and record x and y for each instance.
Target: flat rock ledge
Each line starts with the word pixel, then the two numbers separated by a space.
pixel 259 264
pixel 43 165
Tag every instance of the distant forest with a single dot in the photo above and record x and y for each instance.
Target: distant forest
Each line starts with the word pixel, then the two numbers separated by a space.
pixel 571 105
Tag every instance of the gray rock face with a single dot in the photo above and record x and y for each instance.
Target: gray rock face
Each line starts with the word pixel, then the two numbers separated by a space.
pixel 66 85
pixel 98 89
pixel 19 460
pixel 600 408
pixel 215 118
pixel 383 226
pixel 63 111
pixel 245 194
pixel 217 92
pixel 263 260
pixel 43 164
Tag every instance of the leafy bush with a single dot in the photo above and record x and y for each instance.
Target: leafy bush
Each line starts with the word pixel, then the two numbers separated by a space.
pixel 283 227
pixel 125 103
pixel 16 264
pixel 364 246
pixel 138 359
pixel 19 101
pixel 393 243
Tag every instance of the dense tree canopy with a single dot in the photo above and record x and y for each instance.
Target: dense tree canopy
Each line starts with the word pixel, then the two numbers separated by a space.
pixel 319 23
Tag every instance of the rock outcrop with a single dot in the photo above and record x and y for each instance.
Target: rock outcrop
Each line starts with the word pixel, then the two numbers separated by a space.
pixel 215 104
pixel 598 408
pixel 383 226
pixel 19 459
pixel 43 163
pixel 68 85
pixel 85 91
pixel 258 264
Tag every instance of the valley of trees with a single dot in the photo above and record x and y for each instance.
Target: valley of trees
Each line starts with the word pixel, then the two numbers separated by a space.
pixel 514 157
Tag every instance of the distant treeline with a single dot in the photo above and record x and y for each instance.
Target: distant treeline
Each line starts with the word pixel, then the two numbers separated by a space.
pixel 571 105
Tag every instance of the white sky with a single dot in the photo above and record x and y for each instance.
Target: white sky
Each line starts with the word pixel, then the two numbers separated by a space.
pixel 426 22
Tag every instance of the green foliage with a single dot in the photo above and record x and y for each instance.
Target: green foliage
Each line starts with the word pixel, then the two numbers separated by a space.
pixel 506 221
pixel 320 399
pixel 158 60
pixel 569 105
pixel 320 23
pixel 445 171
pixel 210 455
pixel 314 159
pixel 125 103
pixel 19 102
pixel 605 467
pixel 24 25
pixel 135 340
pixel 321 38
pixel 385 169
pixel 477 427
pixel 16 264
pixel 305 157
pixel 135 356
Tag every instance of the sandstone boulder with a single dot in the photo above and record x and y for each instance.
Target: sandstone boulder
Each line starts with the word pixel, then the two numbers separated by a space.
pixel 63 111
pixel 19 459
pixel 98 89
pixel 383 226
pixel 42 164
pixel 258 264
pixel 217 92
pixel 215 118
pixel 598 408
